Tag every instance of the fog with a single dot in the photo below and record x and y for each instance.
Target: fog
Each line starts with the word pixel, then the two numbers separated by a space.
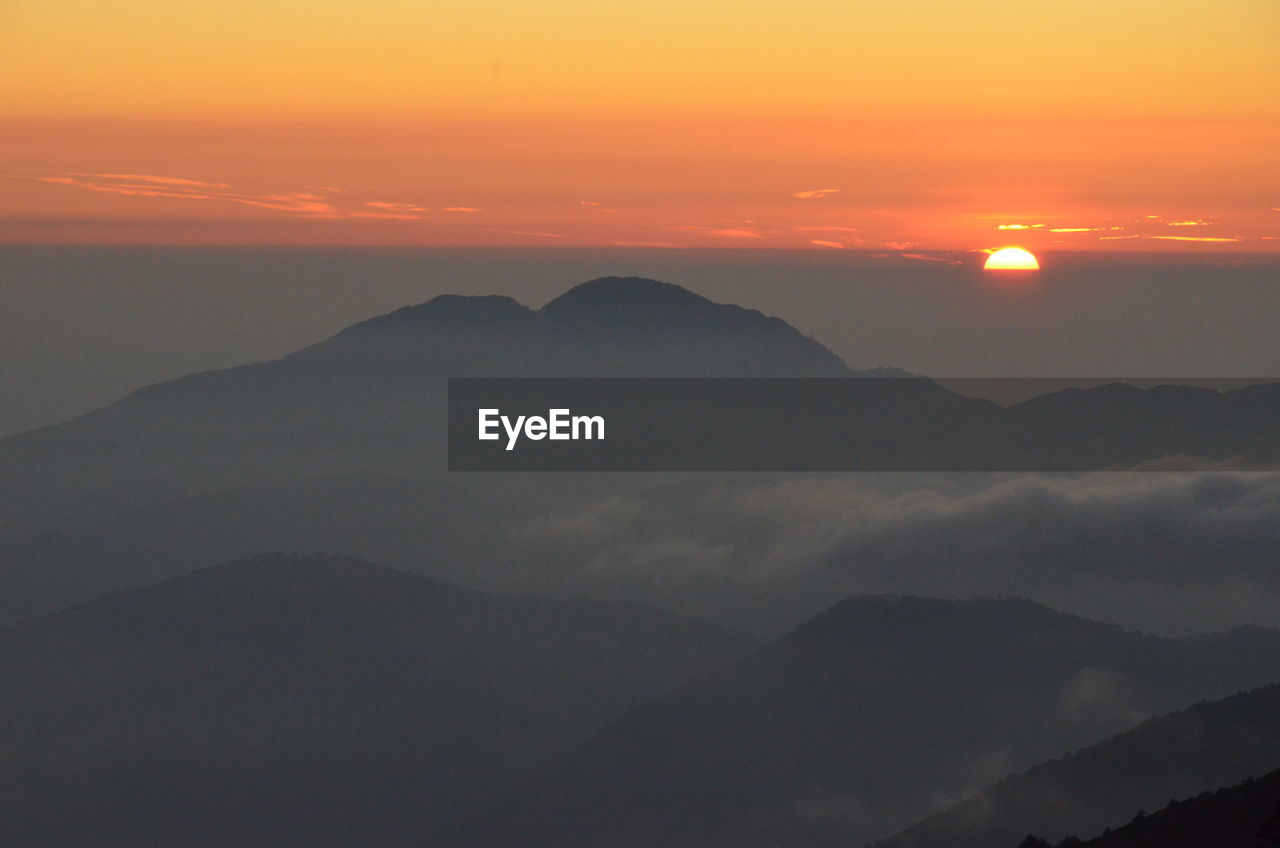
pixel 1167 552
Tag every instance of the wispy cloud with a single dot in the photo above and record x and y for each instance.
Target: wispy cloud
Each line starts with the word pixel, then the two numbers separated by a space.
pixel 815 193
pixel 923 257
pixel 1019 226
pixel 746 231
pixel 1197 238
pixel 154 179
pixel 462 209
pixel 534 234
pixel 303 204
pixel 834 244
pixel 394 207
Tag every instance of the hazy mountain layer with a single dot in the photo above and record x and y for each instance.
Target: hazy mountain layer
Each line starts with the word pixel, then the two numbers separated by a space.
pixel 1175 756
pixel 308 701
pixel 421 525
pixel 861 721
pixel 371 398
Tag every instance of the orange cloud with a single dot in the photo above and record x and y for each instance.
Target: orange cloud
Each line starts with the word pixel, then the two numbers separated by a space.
pixel 154 179
pixel 298 203
pixel 534 234
pixel 733 232
pixel 1195 238
pixel 815 193
pixel 462 209
pixel 920 257
pixel 742 232
pixel 835 244
pixel 394 207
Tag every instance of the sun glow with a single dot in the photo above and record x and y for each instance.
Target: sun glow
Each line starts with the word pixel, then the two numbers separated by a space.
pixel 1011 259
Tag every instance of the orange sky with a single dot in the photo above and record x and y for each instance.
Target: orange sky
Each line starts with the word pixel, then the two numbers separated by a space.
pixel 831 124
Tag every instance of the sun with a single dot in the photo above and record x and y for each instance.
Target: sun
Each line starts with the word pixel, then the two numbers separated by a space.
pixel 1011 259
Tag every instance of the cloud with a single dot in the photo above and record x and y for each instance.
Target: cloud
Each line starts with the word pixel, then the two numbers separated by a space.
pixel 835 244
pixel 1196 238
pixel 1173 552
pixel 155 180
pixel 534 234
pixel 1019 226
pixel 735 232
pixel 746 231
pixel 394 207
pixel 303 204
pixel 815 193
pixel 462 209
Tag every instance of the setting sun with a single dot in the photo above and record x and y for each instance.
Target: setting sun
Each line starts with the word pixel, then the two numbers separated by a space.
pixel 1011 259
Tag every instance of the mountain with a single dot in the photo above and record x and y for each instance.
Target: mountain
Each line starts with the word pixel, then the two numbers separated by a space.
pixel 1119 425
pixel 1243 816
pixel 865 718
pixel 1175 756
pixel 371 398
pixel 427 526
pixel 308 701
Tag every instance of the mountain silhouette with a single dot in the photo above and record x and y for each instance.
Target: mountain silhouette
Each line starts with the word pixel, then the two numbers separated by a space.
pixel 613 326
pixel 1172 757
pixel 857 723
pixel 1246 815
pixel 308 701
pixel 427 526
pixel 371 398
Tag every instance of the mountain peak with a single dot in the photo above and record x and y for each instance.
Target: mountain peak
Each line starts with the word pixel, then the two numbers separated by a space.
pixel 450 309
pixel 623 293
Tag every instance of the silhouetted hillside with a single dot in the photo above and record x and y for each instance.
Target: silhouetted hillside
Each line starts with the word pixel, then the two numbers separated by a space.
pixel 1176 756
pixel 1243 816
pixel 307 701
pixel 421 525
pixel 856 723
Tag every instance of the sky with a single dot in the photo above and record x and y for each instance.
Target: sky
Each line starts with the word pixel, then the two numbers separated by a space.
pixel 821 124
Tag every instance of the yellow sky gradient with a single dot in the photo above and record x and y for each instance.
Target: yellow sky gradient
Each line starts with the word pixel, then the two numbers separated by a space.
pixel 899 123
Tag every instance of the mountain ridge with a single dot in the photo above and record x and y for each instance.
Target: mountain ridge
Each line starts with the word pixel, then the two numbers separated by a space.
pixel 308 700
pixel 866 715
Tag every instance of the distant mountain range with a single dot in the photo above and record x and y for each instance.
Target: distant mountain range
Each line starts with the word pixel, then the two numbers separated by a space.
pixel 863 720
pixel 1104 786
pixel 427 526
pixel 308 701
pixel 371 399
pixel 323 701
